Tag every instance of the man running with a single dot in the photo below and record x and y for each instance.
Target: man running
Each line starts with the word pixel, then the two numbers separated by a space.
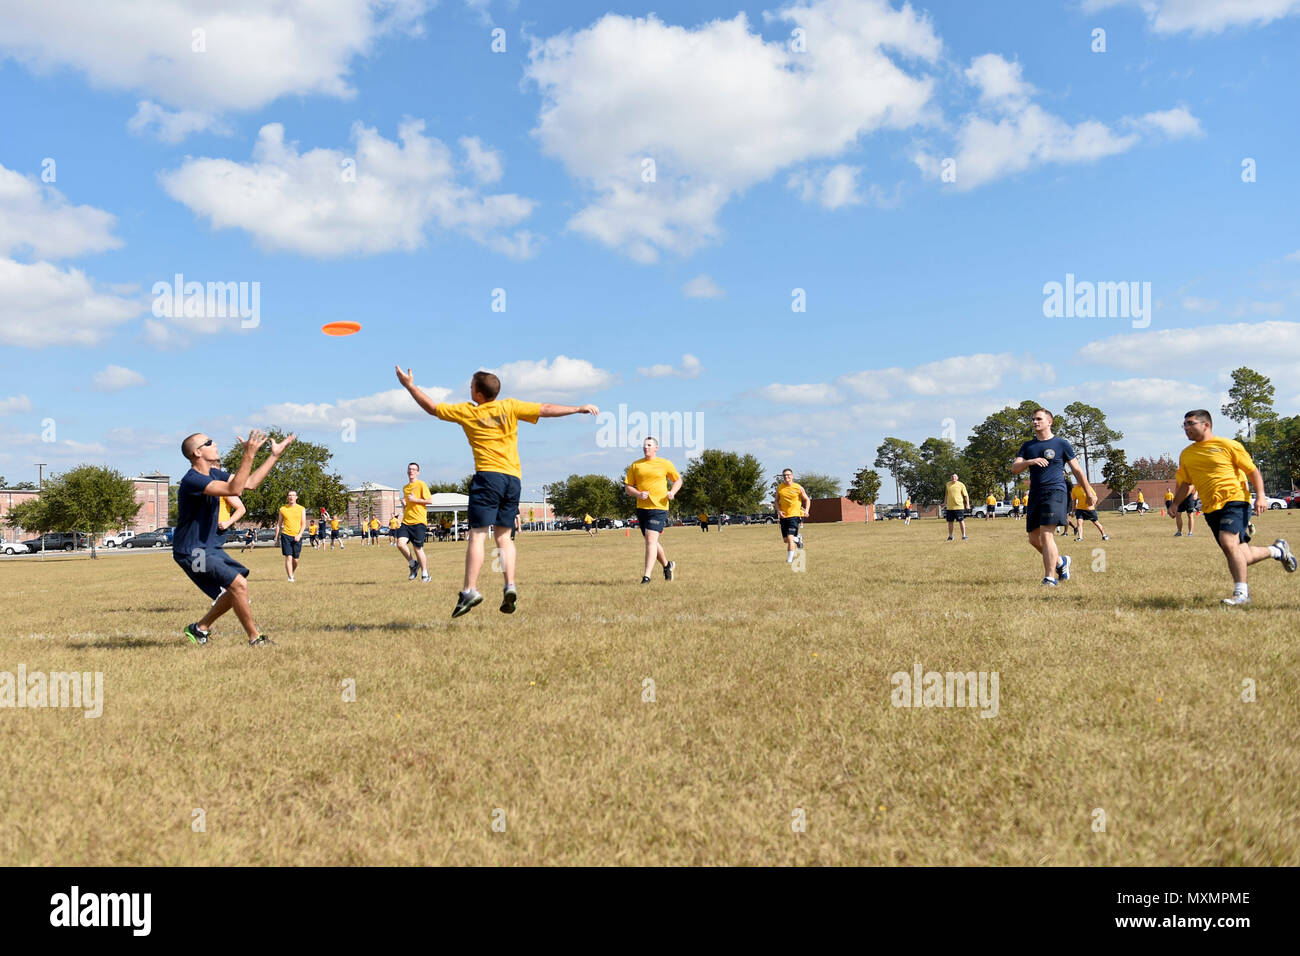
pixel 414 529
pixel 1142 503
pixel 647 481
pixel 792 505
pixel 704 521
pixel 907 512
pixel 393 524
pixel 588 523
pixel 956 502
pixel 196 545
pixel 491 426
pixel 1215 465
pixel 250 540
pixel 1044 456
pixel 288 531
pixel 313 533
pixel 1083 513
pixel 1184 506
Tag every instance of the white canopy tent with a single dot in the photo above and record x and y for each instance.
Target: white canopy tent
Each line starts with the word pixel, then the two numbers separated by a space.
pixel 448 501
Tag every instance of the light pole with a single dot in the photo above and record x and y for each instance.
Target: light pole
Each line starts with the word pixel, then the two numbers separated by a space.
pixel 543 507
pixel 40 475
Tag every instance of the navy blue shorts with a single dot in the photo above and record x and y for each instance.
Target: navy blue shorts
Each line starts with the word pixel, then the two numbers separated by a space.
pixel 1232 518
pixel 955 514
pixel 212 571
pixel 416 532
pixel 1188 505
pixel 1084 514
pixel 290 546
pixel 335 534
pixel 493 499
pixel 789 526
pixel 1047 509
pixel 651 519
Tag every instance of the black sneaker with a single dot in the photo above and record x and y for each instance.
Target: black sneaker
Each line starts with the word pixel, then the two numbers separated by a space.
pixel 669 568
pixel 508 600
pixel 465 601
pixel 262 641
pixel 646 579
pixel 414 567
pixel 195 635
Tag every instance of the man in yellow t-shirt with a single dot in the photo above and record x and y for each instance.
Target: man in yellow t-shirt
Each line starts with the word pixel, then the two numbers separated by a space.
pixel 990 506
pixel 491 425
pixel 1015 506
pixel 313 533
pixel 792 506
pixel 956 502
pixel 647 481
pixel 1215 466
pixel 393 524
pixel 336 533
pixel 907 512
pixel 374 530
pixel 587 522
pixel 704 521
pixel 230 508
pixel 289 524
pixel 1082 513
pixel 1142 503
pixel 414 529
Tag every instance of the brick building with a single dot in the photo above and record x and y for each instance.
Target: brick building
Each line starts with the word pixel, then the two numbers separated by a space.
pixel 839 509
pixel 150 492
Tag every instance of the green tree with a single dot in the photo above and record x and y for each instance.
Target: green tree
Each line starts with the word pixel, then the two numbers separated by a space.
pixel 896 456
pixel 90 498
pixel 1155 469
pixel 304 468
pixel 173 504
pixel 1276 450
pixel 20 486
pixel 1252 399
pixel 1119 475
pixel 31 515
pixel 723 481
pixel 937 459
pixel 451 487
pixel 866 486
pixel 992 448
pixel 1084 427
pixel 595 495
pixel 816 485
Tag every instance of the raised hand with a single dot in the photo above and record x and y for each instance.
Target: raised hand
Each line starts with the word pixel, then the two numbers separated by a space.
pixel 406 378
pixel 588 410
pixel 256 439
pixel 277 448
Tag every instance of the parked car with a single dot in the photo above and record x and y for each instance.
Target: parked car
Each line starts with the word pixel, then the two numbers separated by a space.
pixel 149 539
pixel 1133 506
pixel 13 547
pixel 59 541
pixel 1272 504
pixel 767 517
pixel 116 540
pixel 900 512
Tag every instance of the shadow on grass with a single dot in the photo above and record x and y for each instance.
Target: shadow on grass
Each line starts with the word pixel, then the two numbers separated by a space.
pixel 390 626
pixel 128 643
pixel 1159 603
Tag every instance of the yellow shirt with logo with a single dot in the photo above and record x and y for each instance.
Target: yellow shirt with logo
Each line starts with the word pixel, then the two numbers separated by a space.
pixel 291 519
pixel 954 495
pixel 653 475
pixel 1141 500
pixel 1213 466
pixel 908 504
pixel 789 501
pixel 493 430
pixel 1169 496
pixel 1015 502
pixel 415 514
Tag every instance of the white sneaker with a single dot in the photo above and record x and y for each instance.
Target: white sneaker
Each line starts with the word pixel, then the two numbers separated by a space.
pixel 291 580
pixel 1237 600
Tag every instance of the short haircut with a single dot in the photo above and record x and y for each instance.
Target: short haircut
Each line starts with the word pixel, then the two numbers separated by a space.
pixel 1049 415
pixel 784 470
pixel 487 384
pixel 290 492
pixel 650 438
pixel 1201 415
pixel 415 463
pixel 187 452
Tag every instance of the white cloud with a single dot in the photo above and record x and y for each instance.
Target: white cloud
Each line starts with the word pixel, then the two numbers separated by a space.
pixel 484 164
pixel 382 408
pixel 15 403
pixel 302 202
pixel 564 376
pixel 690 368
pixel 1293 256
pixel 717 109
pixel 836 187
pixel 1204 16
pixel 163 336
pixel 957 375
pixel 1020 134
pixel 252 53
pixel 1209 347
pixel 1256 308
pixel 116 377
pixel 42 304
pixel 172 126
pixel 1194 303
pixel 36 219
pixel 815 394
pixel 703 287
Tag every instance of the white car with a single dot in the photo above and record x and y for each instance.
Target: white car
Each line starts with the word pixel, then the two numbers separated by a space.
pixel 117 540
pixel 1272 504
pixel 13 547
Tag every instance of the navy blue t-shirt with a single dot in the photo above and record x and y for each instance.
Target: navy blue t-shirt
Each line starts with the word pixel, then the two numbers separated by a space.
pixel 1057 451
pixel 196 513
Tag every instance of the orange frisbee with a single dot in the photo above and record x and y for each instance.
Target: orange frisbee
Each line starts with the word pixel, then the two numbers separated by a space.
pixel 341 328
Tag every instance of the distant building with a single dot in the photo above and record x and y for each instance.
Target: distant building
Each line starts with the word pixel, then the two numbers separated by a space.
pixel 150 492
pixel 839 509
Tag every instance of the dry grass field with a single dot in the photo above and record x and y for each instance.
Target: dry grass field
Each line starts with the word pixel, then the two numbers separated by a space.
pixel 1120 691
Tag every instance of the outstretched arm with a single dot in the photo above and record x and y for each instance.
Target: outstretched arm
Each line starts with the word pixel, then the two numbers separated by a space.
pixel 408 382
pixel 559 411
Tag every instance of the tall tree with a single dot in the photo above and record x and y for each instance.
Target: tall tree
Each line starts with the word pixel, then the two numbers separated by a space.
pixel 1252 399
pixel 866 486
pixel 304 469
pixel 992 448
pixel 595 495
pixel 1084 426
pixel 173 504
pixel 1155 469
pixel 719 481
pixel 31 515
pixel 90 498
pixel 451 487
pixel 936 460
pixel 1119 475
pixel 896 456
pixel 1276 449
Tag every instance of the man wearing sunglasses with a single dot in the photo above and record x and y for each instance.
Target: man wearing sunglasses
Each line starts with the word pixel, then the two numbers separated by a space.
pixel 196 543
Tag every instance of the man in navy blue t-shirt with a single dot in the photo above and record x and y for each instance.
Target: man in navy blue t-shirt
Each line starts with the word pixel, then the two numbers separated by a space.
pixel 1046 457
pixel 196 543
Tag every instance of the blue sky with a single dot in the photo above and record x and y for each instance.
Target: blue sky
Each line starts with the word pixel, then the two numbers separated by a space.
pixel 776 169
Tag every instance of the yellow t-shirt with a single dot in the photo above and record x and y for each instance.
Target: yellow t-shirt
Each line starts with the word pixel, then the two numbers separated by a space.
pixel 1015 502
pixel 1141 500
pixel 1080 497
pixel 292 518
pixel 990 500
pixel 907 505
pixel 416 514
pixel 312 528
pixel 1213 466
pixel 374 524
pixel 788 501
pixel 393 524
pixel 586 519
pixel 652 475
pixel 334 524
pixel 703 517
pixel 493 430
pixel 1169 496
pixel 223 510
pixel 954 495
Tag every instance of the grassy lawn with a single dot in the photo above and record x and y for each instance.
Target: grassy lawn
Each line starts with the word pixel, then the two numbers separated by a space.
pixel 1120 691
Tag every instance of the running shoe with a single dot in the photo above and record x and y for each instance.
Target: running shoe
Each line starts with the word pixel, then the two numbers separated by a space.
pixel 197 636
pixel 465 601
pixel 508 600
pixel 1288 559
pixel 669 568
pixel 1063 568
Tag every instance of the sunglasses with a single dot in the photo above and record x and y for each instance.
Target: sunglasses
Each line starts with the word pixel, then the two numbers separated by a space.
pixel 206 443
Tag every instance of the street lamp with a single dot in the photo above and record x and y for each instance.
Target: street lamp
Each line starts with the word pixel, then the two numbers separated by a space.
pixel 543 507
pixel 40 475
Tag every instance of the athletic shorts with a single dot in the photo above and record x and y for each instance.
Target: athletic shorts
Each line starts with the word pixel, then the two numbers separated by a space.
pixel 988 509
pixel 1234 517
pixel 212 571
pixel 790 526
pixel 1084 515
pixel 1188 505
pixel 315 537
pixel 651 519
pixel 955 514
pixel 417 533
pixel 335 535
pixel 290 547
pixel 493 499
pixel 1047 509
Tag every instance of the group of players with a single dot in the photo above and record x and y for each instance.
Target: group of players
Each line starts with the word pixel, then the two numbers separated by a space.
pixel 1219 467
